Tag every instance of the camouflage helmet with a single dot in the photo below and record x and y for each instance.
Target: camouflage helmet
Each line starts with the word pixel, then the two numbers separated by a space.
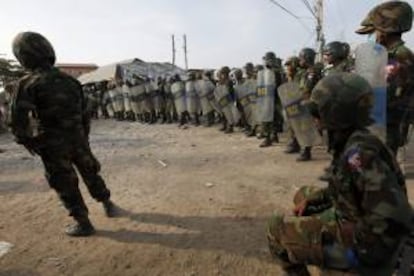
pixel 308 54
pixel 335 49
pixel 393 17
pixel 33 50
pixel 344 101
pixel 388 17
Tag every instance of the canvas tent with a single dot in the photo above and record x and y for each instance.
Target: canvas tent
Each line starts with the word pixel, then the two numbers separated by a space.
pixel 127 68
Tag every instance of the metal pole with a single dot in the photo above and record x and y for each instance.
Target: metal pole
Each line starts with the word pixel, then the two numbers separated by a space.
pixel 173 50
pixel 320 39
pixel 185 52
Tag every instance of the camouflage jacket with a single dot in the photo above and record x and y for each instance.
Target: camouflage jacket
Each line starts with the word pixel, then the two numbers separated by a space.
pixel 367 191
pixel 400 81
pixel 57 102
pixel 343 66
pixel 307 79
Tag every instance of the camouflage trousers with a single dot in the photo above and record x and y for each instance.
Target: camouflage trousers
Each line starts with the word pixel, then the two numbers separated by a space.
pixel 320 239
pixel 300 240
pixel 60 164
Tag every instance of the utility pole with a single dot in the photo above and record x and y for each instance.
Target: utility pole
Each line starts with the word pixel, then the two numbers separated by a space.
pixel 320 38
pixel 185 52
pixel 173 50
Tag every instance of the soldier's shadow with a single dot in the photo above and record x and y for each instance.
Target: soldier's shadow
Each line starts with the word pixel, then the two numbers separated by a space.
pixel 245 236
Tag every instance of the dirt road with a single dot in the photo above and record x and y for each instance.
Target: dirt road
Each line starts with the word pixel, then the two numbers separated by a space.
pixel 195 202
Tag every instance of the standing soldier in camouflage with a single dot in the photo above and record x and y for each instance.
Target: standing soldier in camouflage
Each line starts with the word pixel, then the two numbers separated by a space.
pixel 119 99
pixel 308 76
pixel 223 95
pixel 178 92
pixel 248 101
pixel 388 21
pixel 192 98
pixel 206 92
pixel 149 111
pixel 126 95
pixel 267 101
pixel 357 223
pixel 62 140
pixel 292 75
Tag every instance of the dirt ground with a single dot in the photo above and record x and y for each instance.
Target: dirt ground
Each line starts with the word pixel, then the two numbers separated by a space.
pixel 195 202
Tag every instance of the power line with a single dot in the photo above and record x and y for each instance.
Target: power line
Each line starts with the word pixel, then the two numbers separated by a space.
pixel 285 9
pixel 291 14
pixel 309 7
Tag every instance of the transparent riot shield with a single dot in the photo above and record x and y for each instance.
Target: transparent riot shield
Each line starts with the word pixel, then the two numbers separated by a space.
pixel 371 62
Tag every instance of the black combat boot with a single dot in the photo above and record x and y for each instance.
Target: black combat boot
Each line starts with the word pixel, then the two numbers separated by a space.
pixel 229 129
pixel 252 132
pixel 210 119
pixel 293 146
pixel 110 209
pixel 275 138
pixel 224 127
pixel 266 143
pixel 305 155
pixel 196 120
pixel 183 120
pixel 82 228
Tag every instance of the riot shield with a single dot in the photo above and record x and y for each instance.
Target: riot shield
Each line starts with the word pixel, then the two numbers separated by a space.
pixel 266 85
pixel 300 119
pixel 126 97
pixel 178 92
pixel 191 97
pixel 206 88
pixel 371 62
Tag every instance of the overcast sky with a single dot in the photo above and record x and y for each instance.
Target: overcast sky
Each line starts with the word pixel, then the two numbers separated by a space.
pixel 219 32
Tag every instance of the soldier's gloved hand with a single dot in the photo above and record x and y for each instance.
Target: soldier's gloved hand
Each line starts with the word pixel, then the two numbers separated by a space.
pixel 300 208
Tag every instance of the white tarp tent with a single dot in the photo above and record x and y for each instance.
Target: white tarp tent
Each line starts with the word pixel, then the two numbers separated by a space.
pixel 127 68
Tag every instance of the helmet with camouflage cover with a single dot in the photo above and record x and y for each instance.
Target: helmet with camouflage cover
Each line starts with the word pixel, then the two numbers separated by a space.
pixel 336 50
pixel 33 50
pixel 393 17
pixel 307 56
pixel 389 17
pixel 344 101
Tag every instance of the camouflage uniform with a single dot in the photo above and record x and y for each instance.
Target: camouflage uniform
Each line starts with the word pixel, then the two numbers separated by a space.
pixel 58 103
pixel 358 221
pixel 308 76
pixel 390 20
